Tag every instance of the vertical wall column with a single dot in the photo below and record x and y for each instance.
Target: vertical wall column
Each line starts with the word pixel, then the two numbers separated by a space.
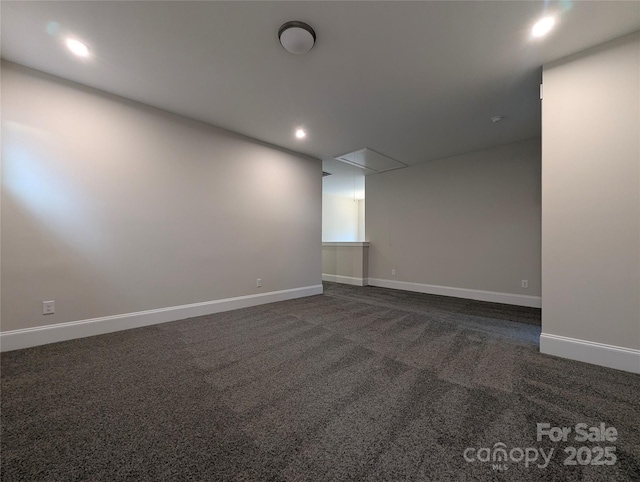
pixel 591 206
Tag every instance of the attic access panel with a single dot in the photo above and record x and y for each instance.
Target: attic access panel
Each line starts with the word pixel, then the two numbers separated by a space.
pixel 369 159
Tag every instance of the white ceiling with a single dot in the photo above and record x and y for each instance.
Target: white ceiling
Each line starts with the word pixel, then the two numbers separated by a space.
pixel 412 80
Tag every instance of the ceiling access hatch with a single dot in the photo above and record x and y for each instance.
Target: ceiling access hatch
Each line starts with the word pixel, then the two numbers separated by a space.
pixel 369 159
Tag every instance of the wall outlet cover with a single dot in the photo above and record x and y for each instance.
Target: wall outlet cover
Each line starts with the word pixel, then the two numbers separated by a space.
pixel 48 307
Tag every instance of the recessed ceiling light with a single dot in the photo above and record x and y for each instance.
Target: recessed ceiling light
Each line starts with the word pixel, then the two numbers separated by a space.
pixel 543 26
pixel 301 134
pixel 77 47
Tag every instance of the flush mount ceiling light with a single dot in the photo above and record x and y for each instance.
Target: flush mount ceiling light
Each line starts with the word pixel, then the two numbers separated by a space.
pixel 301 134
pixel 497 118
pixel 77 47
pixel 543 26
pixel 297 37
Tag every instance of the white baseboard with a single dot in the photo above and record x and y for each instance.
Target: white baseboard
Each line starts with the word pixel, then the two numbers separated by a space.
pixel 348 280
pixel 492 296
pixel 17 339
pixel 610 356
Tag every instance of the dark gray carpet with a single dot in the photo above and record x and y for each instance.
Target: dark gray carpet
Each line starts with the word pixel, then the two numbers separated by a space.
pixel 357 384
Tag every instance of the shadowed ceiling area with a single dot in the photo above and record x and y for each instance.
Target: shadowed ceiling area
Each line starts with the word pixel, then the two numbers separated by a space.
pixel 414 81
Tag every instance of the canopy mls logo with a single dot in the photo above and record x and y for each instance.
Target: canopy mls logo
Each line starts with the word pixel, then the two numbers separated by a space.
pixel 499 456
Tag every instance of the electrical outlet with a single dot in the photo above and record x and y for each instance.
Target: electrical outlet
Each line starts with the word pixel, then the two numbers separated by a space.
pixel 525 283
pixel 393 272
pixel 48 307
pixel 259 283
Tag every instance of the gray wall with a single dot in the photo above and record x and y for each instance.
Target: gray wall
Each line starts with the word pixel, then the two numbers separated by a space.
pixel 112 207
pixel 470 221
pixel 591 195
pixel 346 259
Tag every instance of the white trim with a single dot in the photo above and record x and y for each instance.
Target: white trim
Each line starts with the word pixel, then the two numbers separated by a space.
pixel 492 296
pixel 611 356
pixel 346 244
pixel 347 280
pixel 41 335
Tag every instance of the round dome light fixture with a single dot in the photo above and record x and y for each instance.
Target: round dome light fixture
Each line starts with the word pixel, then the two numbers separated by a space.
pixel 297 37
